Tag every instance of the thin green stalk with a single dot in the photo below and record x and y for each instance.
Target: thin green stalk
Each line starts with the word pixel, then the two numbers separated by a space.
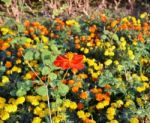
pixel 49 107
pixel 65 74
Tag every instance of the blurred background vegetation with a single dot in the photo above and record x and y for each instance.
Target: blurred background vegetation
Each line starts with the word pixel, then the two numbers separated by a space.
pixel 23 9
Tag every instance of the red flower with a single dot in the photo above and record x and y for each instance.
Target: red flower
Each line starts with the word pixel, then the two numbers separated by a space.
pixel 69 60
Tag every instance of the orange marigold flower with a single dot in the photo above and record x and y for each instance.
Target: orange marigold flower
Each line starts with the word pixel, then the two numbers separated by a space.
pixel 80 105
pixel 92 29
pixel 83 95
pixel 99 97
pixel 8 64
pixel 75 89
pixel 70 60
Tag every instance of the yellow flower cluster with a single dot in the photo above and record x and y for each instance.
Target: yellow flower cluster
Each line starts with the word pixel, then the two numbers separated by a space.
pixel 14 69
pixel 128 103
pixel 110 51
pixel 36 120
pixel 102 104
pixel 119 66
pixel 72 23
pixel 59 118
pixel 6 31
pixel 134 120
pixel 113 121
pixel 143 87
pixel 41 110
pixel 94 68
pixel 69 104
pixel 130 54
pixel 108 62
pixel 117 104
pixel 82 115
pixel 4 80
pixel 35 100
pixel 111 111
pixel 123 43
pixel 10 107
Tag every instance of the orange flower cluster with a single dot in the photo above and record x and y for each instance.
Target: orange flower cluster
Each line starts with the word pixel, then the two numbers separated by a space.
pixel 33 28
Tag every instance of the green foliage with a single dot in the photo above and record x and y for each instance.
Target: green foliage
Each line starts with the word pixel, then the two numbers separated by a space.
pixel 42 90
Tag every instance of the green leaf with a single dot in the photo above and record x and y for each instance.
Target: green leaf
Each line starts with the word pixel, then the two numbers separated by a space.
pixel 19 40
pixel 45 70
pixel 63 89
pixel 21 92
pixel 37 55
pixel 52 76
pixel 28 55
pixel 20 27
pixel 104 37
pixel 42 90
pixel 115 37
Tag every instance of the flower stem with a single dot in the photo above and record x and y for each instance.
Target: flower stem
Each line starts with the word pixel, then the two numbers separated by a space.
pixel 49 107
pixel 65 74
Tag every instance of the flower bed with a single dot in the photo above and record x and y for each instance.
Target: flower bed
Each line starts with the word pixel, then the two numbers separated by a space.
pixel 94 70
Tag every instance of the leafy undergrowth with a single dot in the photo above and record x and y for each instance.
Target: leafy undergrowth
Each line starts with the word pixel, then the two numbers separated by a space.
pixel 93 70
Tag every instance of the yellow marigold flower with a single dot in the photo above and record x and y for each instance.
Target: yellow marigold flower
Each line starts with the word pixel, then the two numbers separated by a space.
pixel 100 105
pixel 128 103
pixel 91 62
pixel 27 76
pixel 119 103
pixel 146 85
pixel 42 114
pixel 105 102
pixel 36 120
pixel 2 105
pixel 110 117
pixel 2 100
pixel 86 50
pixel 141 89
pixel 72 23
pixel 37 110
pixel 44 98
pixel 116 62
pixel 67 103
pixel 44 39
pixel 131 55
pixel 119 67
pixel 136 77
pixel 4 115
pixel 95 75
pixel 20 100
pixel 56 119
pixel 140 102
pixel 107 44
pixel 113 121
pixel 108 62
pixel 18 61
pixel 10 108
pixel 143 15
pixel 42 105
pixel 134 120
pixel 33 100
pixel 144 78
pixel 87 114
pixel 81 114
pixel 16 69
pixel 111 111
pixel 114 105
pixel 73 105
pixel 5 79
pixel 4 30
